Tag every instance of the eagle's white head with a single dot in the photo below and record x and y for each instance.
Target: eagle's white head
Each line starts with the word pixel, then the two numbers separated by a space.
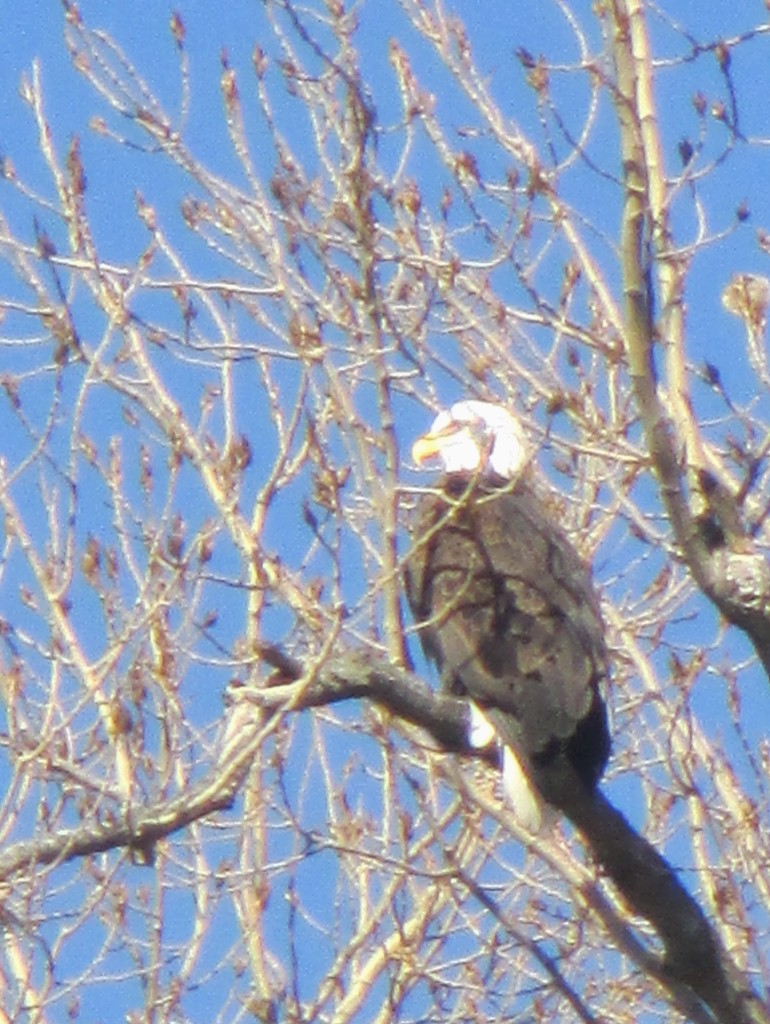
pixel 475 437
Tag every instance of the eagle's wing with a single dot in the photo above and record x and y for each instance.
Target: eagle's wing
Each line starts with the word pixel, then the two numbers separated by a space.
pixel 509 613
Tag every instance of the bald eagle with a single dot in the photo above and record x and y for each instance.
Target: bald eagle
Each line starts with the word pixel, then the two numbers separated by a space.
pixel 505 606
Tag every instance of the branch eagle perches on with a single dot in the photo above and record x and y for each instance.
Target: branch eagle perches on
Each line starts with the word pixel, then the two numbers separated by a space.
pixel 693 968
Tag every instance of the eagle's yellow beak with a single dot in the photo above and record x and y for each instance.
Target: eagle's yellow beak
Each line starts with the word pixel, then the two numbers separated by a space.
pixel 427 447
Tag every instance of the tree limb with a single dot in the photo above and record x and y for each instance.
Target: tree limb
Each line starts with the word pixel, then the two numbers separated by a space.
pixel 693 955
pixel 733 574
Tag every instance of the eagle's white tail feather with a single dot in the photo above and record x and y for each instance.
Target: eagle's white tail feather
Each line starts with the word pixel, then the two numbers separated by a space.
pixel 518 789
pixel 526 801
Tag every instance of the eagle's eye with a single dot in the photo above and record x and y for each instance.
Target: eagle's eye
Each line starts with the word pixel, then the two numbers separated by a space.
pixel 481 433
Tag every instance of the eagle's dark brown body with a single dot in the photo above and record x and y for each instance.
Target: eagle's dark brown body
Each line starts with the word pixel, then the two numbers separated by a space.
pixel 507 609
